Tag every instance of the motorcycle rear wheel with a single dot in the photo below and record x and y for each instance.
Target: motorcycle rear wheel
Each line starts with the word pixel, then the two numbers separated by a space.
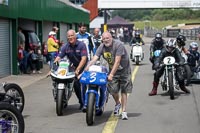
pixel 91 109
pixel 171 85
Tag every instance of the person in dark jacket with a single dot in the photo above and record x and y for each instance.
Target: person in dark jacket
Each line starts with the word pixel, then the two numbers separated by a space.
pixel 193 57
pixel 157 43
pixel 169 50
pixel 137 39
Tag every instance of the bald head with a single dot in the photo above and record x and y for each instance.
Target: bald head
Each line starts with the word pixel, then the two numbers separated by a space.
pixel 71 32
pixel 107 39
pixel 96 31
pixel 71 36
pixel 107 34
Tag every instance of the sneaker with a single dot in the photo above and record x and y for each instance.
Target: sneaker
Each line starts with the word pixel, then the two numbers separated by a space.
pixel 39 72
pixel 124 116
pixel 84 109
pixel 33 71
pixel 117 108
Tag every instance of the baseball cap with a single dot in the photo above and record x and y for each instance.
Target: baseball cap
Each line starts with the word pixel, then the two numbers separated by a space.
pixel 52 33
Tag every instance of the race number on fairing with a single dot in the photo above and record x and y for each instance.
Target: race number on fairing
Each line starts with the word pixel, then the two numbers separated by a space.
pixel 169 60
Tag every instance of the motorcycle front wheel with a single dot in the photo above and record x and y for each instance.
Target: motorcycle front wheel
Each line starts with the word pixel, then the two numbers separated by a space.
pixel 11 120
pixel 91 109
pixel 171 85
pixel 15 96
pixel 59 102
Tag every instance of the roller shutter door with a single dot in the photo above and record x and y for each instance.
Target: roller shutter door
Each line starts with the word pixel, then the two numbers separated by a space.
pixel 5 56
pixel 63 32
pixel 47 27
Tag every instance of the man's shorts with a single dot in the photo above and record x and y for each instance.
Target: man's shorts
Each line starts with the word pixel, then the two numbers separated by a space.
pixel 121 82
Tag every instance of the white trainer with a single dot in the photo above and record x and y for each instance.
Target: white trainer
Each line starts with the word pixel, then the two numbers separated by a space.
pixel 124 116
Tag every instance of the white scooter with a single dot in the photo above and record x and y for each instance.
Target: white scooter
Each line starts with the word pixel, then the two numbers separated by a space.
pixel 137 54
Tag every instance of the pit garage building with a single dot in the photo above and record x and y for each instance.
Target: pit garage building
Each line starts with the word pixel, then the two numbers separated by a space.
pixel 39 16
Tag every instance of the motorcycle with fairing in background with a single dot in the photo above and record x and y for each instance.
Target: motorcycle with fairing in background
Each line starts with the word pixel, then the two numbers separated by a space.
pixel 95 97
pixel 63 77
pixel 154 56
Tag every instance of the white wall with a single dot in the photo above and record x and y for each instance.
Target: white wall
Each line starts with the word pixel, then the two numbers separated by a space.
pixel 121 4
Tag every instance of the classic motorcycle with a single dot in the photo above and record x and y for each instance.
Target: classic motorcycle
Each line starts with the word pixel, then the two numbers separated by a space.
pixel 12 94
pixel 94 82
pixel 168 80
pixel 63 80
pixel 137 54
pixel 11 119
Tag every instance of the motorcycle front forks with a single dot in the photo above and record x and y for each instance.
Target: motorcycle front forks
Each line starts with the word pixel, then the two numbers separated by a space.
pixel 165 80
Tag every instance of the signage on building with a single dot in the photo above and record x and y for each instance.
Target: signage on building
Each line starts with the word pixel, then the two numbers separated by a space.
pixel 129 4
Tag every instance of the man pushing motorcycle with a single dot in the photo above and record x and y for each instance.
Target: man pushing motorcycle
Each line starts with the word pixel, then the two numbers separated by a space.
pixel 169 50
pixel 76 52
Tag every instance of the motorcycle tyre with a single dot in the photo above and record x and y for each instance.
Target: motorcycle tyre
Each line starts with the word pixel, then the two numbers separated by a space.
pixel 91 109
pixel 137 60
pixel 171 86
pixel 188 73
pixel 59 102
pixel 17 114
pixel 19 90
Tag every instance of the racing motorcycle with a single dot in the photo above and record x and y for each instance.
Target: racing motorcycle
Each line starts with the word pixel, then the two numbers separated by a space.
pixel 63 80
pixel 168 80
pixel 137 54
pixel 11 119
pixel 95 97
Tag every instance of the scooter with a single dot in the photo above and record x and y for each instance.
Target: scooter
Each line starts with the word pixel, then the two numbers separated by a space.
pixel 63 80
pixel 94 82
pixel 137 54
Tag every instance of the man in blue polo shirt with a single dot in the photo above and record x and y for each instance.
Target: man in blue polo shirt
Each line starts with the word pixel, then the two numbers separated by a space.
pixel 76 52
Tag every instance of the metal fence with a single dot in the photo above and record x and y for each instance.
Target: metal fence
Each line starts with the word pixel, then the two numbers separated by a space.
pixel 192 34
